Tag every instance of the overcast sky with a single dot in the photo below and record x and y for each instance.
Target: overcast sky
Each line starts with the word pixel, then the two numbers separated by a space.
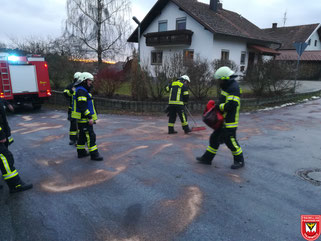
pixel 26 18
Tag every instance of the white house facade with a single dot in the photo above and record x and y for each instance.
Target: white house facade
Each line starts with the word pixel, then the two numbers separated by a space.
pixel 204 43
pixel 195 29
pixel 313 41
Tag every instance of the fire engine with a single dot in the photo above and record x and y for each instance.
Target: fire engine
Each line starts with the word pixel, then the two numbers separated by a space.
pixel 24 79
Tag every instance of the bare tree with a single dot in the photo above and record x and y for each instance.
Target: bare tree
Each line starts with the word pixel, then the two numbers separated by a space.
pixel 32 45
pixel 98 26
pixel 3 45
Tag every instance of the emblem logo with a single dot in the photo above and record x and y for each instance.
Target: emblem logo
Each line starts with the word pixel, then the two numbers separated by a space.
pixel 310 227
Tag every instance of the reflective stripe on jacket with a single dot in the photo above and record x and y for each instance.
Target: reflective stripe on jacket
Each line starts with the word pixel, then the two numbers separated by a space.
pixel 83 107
pixel 230 104
pixel 178 93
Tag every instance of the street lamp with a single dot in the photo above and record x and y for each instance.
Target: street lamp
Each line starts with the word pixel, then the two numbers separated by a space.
pixel 138 23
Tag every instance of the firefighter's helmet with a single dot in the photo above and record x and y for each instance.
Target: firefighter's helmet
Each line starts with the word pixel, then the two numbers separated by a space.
pixel 186 78
pixel 77 75
pixel 223 73
pixel 84 76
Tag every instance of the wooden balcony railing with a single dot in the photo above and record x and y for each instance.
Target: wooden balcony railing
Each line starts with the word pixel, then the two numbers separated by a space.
pixel 176 37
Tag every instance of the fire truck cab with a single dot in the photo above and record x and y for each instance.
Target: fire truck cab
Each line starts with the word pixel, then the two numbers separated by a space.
pixel 24 79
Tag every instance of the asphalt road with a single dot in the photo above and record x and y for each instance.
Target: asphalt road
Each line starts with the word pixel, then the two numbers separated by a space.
pixel 149 187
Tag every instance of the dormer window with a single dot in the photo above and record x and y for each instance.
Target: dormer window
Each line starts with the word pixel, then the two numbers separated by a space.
pixel 180 23
pixel 162 26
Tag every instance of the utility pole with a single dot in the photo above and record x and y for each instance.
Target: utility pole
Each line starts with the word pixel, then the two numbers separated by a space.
pixel 138 23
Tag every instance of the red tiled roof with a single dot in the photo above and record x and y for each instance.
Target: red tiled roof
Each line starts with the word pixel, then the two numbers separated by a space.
pixel 293 55
pixel 262 49
pixel 222 22
pixel 289 35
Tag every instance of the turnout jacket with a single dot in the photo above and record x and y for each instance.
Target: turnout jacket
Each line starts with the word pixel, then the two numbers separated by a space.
pixel 83 107
pixel 68 93
pixel 5 131
pixel 229 103
pixel 178 93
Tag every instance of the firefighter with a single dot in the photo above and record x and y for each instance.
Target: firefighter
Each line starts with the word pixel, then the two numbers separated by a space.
pixel 9 172
pixel 229 104
pixel 83 109
pixel 68 92
pixel 178 98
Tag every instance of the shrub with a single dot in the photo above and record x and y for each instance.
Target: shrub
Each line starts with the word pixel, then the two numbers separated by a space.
pixel 107 81
pixel 217 63
pixel 201 76
pixel 171 68
pixel 270 78
pixel 138 78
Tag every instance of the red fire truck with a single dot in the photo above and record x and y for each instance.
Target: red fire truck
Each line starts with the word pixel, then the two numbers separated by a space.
pixel 24 79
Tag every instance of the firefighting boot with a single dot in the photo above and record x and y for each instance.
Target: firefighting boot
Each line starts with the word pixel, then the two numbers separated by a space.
pixel 206 159
pixel 17 185
pixel 82 153
pixel 171 130
pixel 95 156
pixel 187 129
pixel 238 162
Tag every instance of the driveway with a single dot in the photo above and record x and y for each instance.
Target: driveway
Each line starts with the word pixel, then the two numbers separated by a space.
pixel 149 186
pixel 308 86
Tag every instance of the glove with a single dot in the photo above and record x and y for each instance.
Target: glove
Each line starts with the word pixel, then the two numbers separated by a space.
pixel 10 140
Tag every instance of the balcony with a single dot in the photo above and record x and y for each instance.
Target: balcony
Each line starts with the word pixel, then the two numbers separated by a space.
pixel 176 37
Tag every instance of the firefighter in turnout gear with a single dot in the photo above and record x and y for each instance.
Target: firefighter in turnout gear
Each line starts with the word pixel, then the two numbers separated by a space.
pixel 229 105
pixel 83 109
pixel 178 98
pixel 9 172
pixel 68 92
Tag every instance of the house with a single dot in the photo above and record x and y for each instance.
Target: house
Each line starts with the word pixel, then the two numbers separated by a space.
pixel 192 28
pixel 311 57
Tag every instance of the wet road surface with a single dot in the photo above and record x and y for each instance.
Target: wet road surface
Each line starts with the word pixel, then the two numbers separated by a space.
pixel 149 186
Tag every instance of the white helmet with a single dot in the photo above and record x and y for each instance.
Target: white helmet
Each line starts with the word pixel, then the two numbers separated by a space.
pixel 185 77
pixel 84 76
pixel 77 75
pixel 223 73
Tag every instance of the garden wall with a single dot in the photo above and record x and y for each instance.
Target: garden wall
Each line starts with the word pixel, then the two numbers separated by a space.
pixel 58 98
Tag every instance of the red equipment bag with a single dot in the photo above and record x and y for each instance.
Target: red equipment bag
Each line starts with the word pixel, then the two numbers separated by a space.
pixel 213 118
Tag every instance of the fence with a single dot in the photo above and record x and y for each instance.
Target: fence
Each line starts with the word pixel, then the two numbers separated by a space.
pixel 58 98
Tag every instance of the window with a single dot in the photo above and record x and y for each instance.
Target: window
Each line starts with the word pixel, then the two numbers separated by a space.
pixel 315 42
pixel 309 43
pixel 180 23
pixel 243 56
pixel 162 26
pixel 225 54
pixel 188 55
pixel 157 57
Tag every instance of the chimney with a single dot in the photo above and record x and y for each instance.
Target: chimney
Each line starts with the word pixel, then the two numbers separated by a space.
pixel 274 25
pixel 214 5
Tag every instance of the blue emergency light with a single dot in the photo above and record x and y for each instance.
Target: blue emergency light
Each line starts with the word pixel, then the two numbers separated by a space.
pixel 13 58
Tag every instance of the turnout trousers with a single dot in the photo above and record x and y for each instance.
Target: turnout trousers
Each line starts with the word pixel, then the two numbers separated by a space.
pixel 227 136
pixel 86 135
pixel 173 111
pixel 9 172
pixel 73 130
